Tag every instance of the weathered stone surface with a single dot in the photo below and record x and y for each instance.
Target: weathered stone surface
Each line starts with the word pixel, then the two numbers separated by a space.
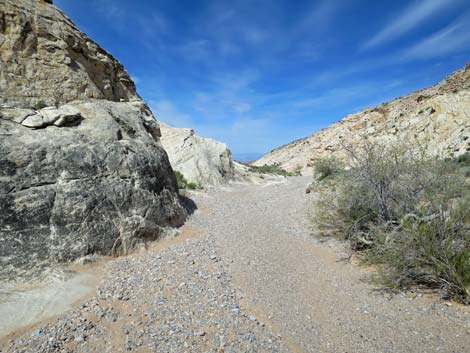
pixel 70 191
pixel 33 121
pixel 202 160
pixel 15 114
pixel 83 175
pixel 436 119
pixel 45 58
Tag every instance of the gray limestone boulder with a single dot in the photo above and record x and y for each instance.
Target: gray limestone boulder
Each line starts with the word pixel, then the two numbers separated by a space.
pixel 101 184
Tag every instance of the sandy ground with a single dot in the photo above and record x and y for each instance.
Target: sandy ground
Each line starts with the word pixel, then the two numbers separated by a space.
pixel 247 275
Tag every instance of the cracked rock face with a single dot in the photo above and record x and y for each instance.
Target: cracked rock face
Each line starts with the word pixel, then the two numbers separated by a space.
pixel 202 160
pixel 101 185
pixel 436 119
pixel 85 175
pixel 45 58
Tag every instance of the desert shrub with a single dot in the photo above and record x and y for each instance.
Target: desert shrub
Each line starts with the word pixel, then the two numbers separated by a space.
pixel 327 167
pixel 185 184
pixel 194 186
pixel 432 251
pixel 464 164
pixel 407 213
pixel 40 105
pixel 464 159
pixel 271 169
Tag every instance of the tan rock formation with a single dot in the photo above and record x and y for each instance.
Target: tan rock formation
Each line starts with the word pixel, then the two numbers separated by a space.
pixel 202 160
pixel 436 118
pixel 45 58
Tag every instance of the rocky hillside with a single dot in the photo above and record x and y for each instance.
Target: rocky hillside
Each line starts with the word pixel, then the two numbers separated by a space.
pixel 436 118
pixel 201 160
pixel 82 169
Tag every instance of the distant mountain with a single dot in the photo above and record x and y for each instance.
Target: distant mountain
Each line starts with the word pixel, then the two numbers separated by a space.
pixel 436 118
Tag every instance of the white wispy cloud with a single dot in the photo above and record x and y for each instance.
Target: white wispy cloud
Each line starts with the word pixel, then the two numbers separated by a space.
pixel 412 16
pixel 136 79
pixel 320 15
pixel 250 124
pixel 230 94
pixel 195 49
pixel 167 112
pixel 451 39
pixel 110 9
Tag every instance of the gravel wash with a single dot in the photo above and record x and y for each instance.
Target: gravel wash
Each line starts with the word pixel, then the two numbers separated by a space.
pixel 306 289
pixel 246 275
pixel 173 299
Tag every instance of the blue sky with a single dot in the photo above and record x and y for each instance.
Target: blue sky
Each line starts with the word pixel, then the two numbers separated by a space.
pixel 259 74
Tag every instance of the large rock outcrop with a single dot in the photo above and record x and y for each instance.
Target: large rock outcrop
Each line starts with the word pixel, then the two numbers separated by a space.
pixel 88 174
pixel 45 58
pixel 436 119
pixel 201 160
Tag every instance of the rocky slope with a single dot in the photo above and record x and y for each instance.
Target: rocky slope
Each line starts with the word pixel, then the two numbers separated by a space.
pixel 89 173
pixel 202 160
pixel 436 118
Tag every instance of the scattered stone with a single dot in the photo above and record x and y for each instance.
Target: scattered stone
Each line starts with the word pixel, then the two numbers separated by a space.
pixel 88 259
pixel 33 121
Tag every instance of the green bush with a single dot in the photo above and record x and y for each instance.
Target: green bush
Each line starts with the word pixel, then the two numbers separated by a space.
pixel 405 212
pixel 271 169
pixel 40 105
pixel 185 184
pixel 433 251
pixel 193 186
pixel 464 164
pixel 298 170
pixel 327 167
pixel 464 159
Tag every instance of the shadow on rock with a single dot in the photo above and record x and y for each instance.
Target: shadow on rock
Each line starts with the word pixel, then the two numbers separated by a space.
pixel 188 204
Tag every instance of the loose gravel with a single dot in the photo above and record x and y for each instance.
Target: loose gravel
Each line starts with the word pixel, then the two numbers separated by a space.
pixel 246 275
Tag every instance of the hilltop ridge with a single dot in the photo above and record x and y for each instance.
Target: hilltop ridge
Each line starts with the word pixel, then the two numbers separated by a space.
pixel 436 118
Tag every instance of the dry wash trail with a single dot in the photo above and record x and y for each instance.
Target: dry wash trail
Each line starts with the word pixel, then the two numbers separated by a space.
pixel 247 276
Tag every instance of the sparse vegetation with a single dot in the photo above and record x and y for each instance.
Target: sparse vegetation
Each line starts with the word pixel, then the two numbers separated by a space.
pixel 271 169
pixel 405 212
pixel 327 168
pixel 40 105
pixel 185 184
pixel 464 164
pixel 298 170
